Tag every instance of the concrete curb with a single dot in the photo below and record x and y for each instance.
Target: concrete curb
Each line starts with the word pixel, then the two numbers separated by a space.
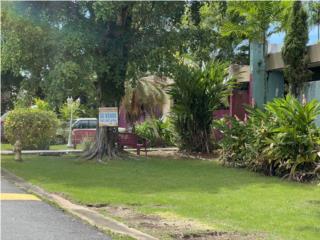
pixel 92 217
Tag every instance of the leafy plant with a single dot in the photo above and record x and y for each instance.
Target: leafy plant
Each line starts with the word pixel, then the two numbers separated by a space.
pixel 42 105
pixel 157 132
pixel 294 142
pixel 196 93
pixel 145 98
pixel 35 128
pixel 282 140
pixel 233 143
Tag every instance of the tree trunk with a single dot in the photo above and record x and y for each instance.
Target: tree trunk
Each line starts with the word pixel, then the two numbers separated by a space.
pixel 111 83
pixel 105 145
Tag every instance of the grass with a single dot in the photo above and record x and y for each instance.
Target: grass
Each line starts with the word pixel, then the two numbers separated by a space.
pixel 7 146
pixel 224 198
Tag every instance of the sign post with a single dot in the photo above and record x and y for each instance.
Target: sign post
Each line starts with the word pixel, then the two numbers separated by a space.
pixel 108 117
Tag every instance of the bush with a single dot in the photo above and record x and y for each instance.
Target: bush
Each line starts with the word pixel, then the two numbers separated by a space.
pixel 232 144
pixel 196 93
pixel 35 128
pixel 283 140
pixel 158 133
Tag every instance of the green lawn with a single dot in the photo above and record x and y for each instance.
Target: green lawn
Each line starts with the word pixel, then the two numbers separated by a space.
pixel 7 146
pixel 224 198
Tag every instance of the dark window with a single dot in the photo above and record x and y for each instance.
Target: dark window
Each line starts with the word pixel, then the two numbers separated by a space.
pixel 85 124
pixel 92 124
pixel 82 124
pixel 75 125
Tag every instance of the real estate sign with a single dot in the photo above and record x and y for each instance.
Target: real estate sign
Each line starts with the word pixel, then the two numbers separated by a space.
pixel 108 117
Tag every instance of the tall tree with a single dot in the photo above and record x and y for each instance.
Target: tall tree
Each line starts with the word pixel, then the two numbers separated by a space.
pixel 97 46
pixel 230 47
pixel 46 53
pixel 294 52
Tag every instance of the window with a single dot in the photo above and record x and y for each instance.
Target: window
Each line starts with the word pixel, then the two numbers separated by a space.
pixel 92 124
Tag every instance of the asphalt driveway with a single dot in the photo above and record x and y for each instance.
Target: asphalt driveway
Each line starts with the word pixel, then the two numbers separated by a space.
pixel 25 217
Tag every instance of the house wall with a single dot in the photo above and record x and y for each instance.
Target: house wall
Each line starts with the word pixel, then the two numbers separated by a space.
pixel 275 61
pixel 238 100
pixel 275 85
pixel 312 91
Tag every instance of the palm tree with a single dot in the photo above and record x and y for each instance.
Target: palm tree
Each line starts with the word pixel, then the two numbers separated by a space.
pixel 260 19
pixel 146 98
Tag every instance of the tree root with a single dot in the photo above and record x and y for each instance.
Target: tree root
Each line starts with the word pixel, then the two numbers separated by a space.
pixel 105 145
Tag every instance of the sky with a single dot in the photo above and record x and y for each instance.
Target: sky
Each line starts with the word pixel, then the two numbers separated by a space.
pixel 278 38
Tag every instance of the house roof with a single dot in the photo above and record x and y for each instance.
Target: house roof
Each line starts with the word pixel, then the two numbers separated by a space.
pixel 275 61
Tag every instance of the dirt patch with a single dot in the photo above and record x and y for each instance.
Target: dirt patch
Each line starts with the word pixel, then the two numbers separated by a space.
pixel 161 153
pixel 214 235
pixel 165 227
pixel 184 155
pixel 99 205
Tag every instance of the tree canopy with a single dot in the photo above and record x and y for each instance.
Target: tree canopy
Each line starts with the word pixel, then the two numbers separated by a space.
pixel 82 48
pixel 89 49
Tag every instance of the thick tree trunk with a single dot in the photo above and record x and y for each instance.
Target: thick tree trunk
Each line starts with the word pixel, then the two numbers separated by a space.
pixel 105 145
pixel 111 83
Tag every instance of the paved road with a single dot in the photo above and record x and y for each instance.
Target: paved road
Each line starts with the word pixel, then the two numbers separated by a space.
pixel 37 220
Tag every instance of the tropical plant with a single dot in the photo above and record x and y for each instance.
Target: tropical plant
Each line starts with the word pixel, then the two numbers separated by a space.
pixel 34 128
pixel 233 143
pixel 293 146
pixel 254 19
pixel 145 98
pixel 282 140
pixel 196 93
pixel 159 133
pixel 294 51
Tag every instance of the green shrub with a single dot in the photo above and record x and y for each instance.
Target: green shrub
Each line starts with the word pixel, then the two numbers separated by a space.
pixel 233 147
pixel 294 143
pixel 197 92
pixel 35 128
pixel 282 140
pixel 158 133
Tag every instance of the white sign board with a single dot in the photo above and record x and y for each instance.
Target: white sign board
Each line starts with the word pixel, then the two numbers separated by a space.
pixel 108 117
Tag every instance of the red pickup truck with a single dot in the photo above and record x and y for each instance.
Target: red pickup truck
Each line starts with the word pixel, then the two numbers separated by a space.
pixel 83 128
